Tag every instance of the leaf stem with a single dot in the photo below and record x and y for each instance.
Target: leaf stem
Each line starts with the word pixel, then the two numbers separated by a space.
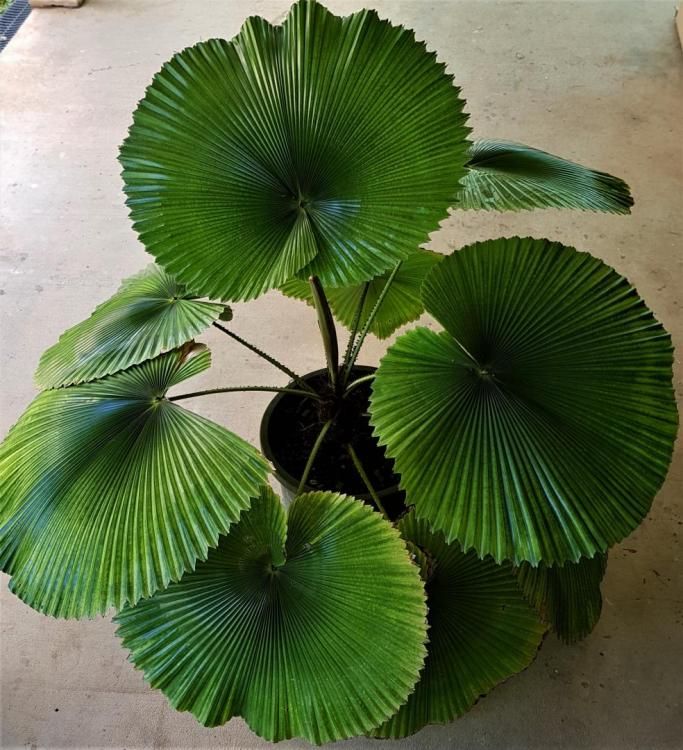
pixel 327 329
pixel 366 481
pixel 368 323
pixel 359 381
pixel 240 388
pixel 356 323
pixel 313 454
pixel 297 378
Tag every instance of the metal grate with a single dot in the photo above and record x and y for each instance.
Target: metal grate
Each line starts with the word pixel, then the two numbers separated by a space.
pixel 11 20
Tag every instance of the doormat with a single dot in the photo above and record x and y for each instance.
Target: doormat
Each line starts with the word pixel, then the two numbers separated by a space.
pixel 11 20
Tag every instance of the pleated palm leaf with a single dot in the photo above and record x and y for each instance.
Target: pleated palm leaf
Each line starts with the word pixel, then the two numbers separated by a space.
pixel 310 623
pixel 481 631
pixel 505 176
pixel 110 491
pixel 540 423
pixel 328 146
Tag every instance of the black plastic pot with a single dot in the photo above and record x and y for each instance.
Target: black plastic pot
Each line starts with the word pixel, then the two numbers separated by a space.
pixel 273 437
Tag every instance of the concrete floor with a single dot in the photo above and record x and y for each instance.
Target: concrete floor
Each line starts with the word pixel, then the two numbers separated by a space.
pixel 596 81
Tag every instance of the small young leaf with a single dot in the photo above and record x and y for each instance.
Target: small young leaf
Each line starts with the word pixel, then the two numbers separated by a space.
pixel 401 305
pixel 150 314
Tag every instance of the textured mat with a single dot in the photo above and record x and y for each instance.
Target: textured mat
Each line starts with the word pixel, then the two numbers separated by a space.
pixel 11 20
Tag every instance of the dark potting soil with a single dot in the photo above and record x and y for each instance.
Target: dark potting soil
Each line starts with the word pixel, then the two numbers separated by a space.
pixel 295 424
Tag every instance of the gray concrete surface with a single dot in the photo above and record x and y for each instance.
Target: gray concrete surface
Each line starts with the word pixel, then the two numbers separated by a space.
pixel 596 81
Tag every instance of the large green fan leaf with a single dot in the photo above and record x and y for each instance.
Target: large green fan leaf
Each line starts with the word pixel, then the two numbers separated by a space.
pixel 331 146
pixel 540 424
pixel 401 304
pixel 481 631
pixel 109 491
pixel 566 596
pixel 150 313
pixel 504 176
pixel 312 625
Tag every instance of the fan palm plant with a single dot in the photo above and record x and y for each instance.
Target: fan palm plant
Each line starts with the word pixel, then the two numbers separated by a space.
pixel 447 507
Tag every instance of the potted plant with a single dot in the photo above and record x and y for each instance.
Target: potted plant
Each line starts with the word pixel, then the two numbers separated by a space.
pixel 444 509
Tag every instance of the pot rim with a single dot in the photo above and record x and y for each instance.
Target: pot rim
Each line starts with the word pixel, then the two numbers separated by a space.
pixel 281 474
